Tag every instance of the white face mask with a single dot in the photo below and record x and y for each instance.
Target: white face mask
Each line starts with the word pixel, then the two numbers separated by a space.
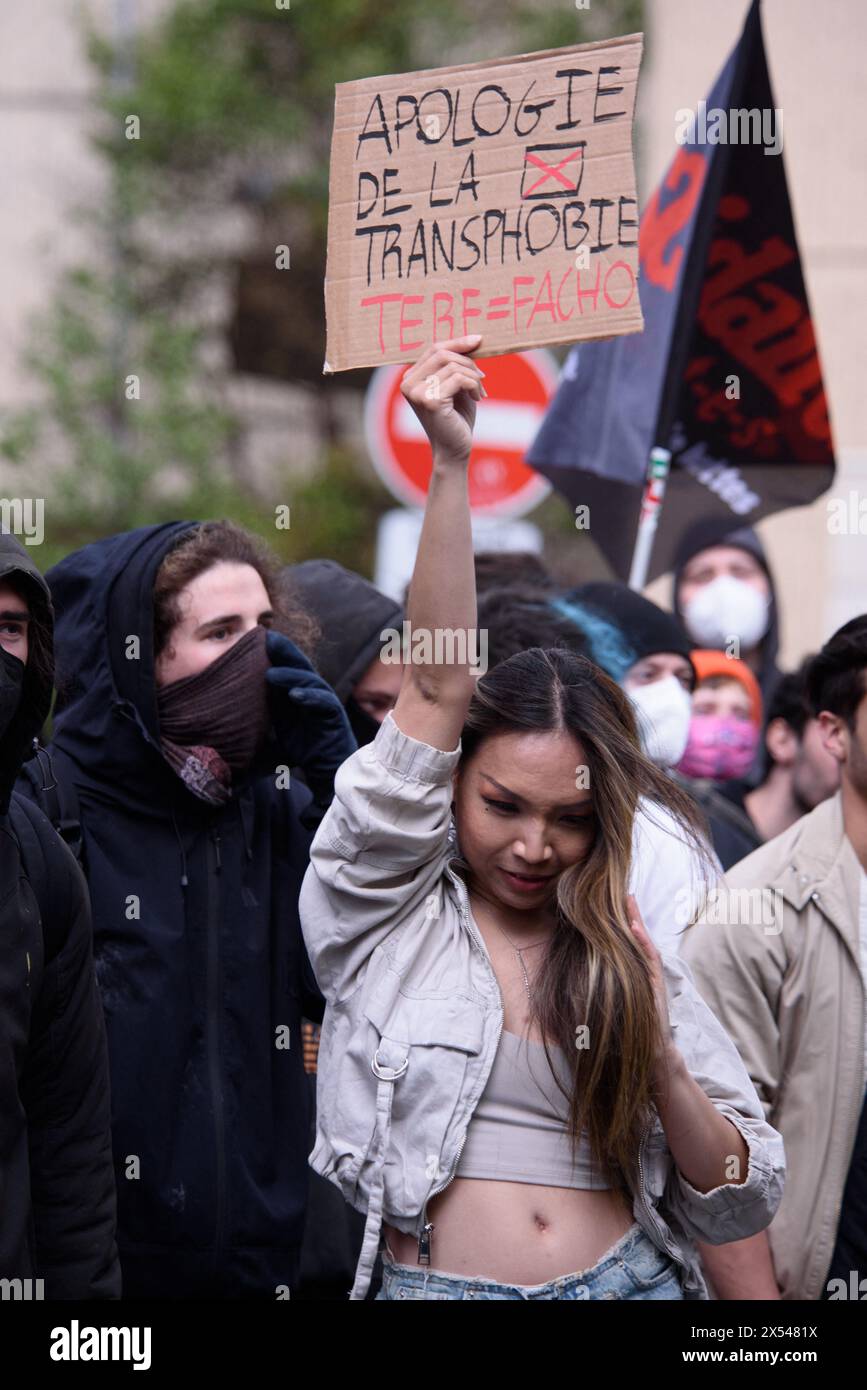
pixel 664 710
pixel 727 608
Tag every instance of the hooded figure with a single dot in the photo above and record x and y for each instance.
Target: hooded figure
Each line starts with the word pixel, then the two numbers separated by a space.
pixel 57 1194
pixel 760 652
pixel 352 614
pixel 199 955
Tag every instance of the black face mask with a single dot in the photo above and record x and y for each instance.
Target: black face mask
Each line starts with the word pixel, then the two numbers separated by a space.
pixel 11 685
pixel 213 723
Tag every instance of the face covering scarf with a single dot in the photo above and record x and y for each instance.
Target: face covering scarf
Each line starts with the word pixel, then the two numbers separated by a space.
pixel 213 723
pixel 727 608
pixel 663 709
pixel 719 747
pixel 11 683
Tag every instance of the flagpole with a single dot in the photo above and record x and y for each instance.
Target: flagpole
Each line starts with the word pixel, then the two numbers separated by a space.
pixel 689 286
pixel 651 505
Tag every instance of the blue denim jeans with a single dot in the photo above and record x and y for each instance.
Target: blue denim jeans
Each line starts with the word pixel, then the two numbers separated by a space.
pixel 632 1268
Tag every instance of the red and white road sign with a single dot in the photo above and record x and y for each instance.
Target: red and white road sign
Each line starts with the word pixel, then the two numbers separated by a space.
pixel 519 387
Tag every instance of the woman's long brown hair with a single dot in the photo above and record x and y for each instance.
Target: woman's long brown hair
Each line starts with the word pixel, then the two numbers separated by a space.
pixel 595 973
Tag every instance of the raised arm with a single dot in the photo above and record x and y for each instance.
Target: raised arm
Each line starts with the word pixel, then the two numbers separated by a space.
pixel 442 388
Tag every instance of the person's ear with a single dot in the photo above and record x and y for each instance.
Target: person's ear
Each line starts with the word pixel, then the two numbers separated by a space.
pixel 782 743
pixel 835 735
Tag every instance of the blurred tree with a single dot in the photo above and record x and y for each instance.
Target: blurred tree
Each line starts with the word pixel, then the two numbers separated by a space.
pixel 216 130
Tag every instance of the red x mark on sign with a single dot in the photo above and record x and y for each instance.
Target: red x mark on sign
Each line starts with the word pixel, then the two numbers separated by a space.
pixel 571 186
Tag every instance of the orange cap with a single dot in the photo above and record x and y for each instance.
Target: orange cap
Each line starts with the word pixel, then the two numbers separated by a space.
pixel 716 663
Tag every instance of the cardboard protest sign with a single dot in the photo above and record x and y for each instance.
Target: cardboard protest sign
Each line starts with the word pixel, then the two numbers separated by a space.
pixel 495 198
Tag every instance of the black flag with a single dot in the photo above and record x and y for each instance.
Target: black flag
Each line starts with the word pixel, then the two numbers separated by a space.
pixel 726 374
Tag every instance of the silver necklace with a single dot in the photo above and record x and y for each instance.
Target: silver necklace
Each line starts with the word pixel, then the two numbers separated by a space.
pixel 519 952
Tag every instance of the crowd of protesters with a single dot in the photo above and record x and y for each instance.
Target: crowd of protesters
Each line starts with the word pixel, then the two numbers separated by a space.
pixel 327 976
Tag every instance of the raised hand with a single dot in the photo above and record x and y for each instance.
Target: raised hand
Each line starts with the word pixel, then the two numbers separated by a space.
pixel 442 388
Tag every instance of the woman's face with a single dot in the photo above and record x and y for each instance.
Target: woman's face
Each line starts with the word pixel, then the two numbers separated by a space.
pixel 524 813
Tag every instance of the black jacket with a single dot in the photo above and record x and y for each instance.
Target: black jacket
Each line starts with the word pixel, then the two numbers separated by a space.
pixel 57 1197
pixel 199 956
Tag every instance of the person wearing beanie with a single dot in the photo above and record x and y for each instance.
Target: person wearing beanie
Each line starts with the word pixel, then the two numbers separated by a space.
pixel 724 733
pixel 352 615
pixel 798 772
pixel 724 594
pixel 726 718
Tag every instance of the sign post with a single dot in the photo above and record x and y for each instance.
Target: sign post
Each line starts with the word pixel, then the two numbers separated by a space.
pixel 501 487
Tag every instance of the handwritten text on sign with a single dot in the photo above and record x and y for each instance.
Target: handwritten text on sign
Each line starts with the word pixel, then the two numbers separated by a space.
pixel 497 199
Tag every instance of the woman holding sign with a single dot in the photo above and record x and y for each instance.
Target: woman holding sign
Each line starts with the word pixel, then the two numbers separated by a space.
pixel 527 1101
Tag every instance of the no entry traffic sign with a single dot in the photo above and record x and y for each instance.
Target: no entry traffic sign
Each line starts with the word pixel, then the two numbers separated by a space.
pixel 519 387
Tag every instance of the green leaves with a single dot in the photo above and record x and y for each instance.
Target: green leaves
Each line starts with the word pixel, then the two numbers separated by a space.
pixel 227 158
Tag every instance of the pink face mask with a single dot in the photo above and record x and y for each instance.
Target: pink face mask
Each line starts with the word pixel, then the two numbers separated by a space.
pixel 719 747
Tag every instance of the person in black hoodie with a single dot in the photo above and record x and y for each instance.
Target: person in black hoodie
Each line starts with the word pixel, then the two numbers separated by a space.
pixel 57 1193
pixel 351 614
pixel 178 722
